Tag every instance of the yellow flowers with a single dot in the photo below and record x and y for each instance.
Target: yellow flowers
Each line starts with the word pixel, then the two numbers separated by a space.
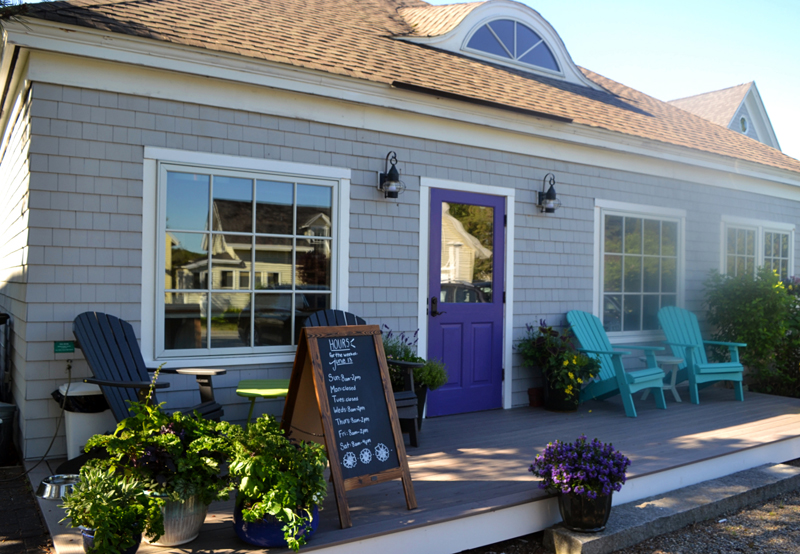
pixel 571 375
pixel 580 381
pixel 566 363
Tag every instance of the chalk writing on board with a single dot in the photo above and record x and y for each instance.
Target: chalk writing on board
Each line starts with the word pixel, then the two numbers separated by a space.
pixel 359 412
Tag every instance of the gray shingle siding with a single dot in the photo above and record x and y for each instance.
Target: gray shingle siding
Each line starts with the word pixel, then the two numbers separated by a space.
pixel 83 242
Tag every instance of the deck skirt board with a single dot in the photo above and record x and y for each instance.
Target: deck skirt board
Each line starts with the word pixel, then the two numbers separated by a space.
pixel 474 467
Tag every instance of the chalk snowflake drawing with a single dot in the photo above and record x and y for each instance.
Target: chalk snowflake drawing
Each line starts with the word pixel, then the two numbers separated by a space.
pixel 382 452
pixel 349 461
pixel 366 456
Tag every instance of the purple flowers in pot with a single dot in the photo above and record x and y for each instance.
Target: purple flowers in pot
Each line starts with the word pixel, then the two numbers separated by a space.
pixel 584 468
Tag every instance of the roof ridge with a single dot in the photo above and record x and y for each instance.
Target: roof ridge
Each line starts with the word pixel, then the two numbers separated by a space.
pixel 711 92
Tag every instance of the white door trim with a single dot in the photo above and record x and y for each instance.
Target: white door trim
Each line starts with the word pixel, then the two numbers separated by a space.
pixel 425 186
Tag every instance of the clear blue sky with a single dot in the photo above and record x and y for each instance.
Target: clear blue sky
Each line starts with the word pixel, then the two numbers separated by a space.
pixel 678 48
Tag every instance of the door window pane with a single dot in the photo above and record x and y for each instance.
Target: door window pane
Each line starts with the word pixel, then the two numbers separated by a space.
pixel 467 253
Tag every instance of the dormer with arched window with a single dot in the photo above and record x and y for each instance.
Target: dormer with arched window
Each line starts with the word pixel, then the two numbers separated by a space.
pixel 498 31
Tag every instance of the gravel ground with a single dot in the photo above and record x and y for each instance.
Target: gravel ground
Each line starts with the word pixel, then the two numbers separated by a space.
pixel 771 527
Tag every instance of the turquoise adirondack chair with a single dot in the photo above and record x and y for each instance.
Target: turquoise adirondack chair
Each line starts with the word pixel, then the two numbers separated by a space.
pixel 683 335
pixel 613 379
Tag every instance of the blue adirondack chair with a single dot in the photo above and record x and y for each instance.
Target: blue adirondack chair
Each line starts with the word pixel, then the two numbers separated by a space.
pixel 613 379
pixel 683 335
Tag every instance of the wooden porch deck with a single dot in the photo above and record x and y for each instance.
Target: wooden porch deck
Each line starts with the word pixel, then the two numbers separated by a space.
pixel 473 488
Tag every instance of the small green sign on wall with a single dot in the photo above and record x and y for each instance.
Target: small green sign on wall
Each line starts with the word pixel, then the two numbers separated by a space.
pixel 64 346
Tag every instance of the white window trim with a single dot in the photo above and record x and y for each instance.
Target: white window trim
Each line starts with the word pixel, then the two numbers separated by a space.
pixel 602 207
pixel 150 242
pixel 760 226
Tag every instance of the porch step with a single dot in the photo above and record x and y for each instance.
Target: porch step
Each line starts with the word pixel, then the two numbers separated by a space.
pixel 635 522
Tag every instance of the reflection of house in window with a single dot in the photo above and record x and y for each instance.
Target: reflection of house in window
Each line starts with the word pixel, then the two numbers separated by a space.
pixel 235 249
pixel 460 250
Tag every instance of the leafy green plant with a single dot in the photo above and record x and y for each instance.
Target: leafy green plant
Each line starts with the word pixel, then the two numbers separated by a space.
pixel 562 365
pixel 404 348
pixel 278 477
pixel 115 507
pixel 750 310
pixel 176 456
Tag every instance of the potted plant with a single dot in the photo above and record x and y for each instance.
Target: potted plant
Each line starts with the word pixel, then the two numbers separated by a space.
pixel 563 367
pixel 584 475
pixel 112 511
pixel 179 458
pixel 281 485
pixel 428 374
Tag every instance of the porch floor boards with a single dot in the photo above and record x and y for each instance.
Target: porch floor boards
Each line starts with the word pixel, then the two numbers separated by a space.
pixel 473 463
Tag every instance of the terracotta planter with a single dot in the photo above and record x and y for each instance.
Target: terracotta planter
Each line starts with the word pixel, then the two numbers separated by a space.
pixel 536 397
pixel 583 514
pixel 556 400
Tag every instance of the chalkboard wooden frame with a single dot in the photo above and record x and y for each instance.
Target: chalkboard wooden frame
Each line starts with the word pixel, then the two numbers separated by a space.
pixel 307 412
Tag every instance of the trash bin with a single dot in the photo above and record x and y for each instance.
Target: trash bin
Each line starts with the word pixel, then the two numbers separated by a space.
pixel 6 433
pixel 86 413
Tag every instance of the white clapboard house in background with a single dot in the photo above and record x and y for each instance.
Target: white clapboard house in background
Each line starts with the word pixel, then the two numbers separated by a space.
pixel 209 172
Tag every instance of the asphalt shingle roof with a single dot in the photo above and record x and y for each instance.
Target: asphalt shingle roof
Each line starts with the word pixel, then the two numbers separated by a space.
pixel 358 39
pixel 718 106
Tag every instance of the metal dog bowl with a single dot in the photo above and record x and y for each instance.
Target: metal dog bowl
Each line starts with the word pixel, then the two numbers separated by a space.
pixel 56 487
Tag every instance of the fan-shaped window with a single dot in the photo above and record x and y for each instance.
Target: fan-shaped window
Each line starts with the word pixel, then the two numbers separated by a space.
pixel 515 42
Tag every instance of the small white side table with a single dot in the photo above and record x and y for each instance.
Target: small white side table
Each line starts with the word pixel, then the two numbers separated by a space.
pixel 667 361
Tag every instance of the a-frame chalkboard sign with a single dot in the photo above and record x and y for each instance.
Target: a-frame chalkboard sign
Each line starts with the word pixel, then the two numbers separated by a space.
pixel 340 396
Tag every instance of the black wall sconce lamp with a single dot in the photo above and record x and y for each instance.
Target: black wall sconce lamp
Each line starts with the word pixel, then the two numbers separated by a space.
pixel 548 203
pixel 389 182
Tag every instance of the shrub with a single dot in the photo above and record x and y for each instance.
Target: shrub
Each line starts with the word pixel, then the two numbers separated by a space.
pixel 763 312
pixel 753 311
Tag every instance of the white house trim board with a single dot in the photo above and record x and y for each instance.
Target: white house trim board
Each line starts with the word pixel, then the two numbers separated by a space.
pixel 153 157
pixel 426 184
pixel 229 74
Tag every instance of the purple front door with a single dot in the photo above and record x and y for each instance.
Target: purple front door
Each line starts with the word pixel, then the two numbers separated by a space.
pixel 465 306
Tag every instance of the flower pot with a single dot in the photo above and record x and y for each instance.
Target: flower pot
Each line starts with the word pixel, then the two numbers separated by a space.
pixel 583 514
pixel 182 521
pixel 556 400
pixel 88 541
pixel 422 397
pixel 536 397
pixel 269 531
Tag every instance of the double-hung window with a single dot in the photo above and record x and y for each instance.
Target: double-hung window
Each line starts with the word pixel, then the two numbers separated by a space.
pixel 748 244
pixel 640 269
pixel 244 256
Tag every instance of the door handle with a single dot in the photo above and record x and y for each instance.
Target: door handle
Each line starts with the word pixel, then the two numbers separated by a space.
pixel 435 307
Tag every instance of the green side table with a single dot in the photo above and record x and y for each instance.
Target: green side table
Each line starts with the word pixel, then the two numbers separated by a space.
pixel 261 388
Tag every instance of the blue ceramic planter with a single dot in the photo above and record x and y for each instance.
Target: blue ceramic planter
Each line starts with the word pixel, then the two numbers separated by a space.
pixel 268 532
pixel 88 541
